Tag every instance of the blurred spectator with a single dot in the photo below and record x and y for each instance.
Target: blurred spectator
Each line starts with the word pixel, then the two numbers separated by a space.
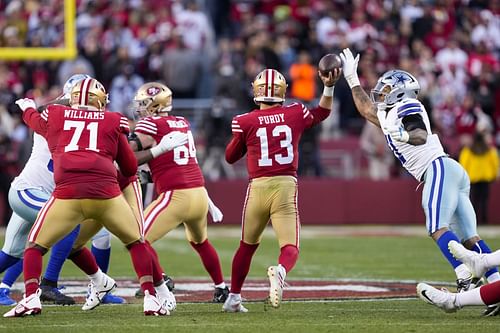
pixel 303 77
pixel 451 56
pixel 181 68
pixel 481 162
pixel 332 29
pixel 217 128
pixel 123 89
pixel 487 29
pixel 379 156
pixel 193 25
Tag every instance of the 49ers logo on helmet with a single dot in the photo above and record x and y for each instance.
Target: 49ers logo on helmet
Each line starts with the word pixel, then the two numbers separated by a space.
pixel 152 91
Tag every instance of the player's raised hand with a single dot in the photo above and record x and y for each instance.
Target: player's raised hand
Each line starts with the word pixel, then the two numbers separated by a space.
pixel 350 67
pixel 398 133
pixel 332 77
pixel 26 103
pixel 169 142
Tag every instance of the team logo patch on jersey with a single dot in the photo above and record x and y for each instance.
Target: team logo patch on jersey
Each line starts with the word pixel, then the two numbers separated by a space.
pixel 152 91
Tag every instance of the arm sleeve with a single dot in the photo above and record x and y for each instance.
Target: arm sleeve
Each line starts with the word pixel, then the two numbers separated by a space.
pixel 315 115
pixel 236 149
pixel 36 121
pixel 125 157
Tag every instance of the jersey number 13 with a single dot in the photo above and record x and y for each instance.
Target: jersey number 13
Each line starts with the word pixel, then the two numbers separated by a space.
pixel 286 143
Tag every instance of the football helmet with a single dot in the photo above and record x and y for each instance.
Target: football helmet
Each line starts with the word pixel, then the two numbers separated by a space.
pixel 393 86
pixel 74 79
pixel 153 98
pixel 269 86
pixel 89 92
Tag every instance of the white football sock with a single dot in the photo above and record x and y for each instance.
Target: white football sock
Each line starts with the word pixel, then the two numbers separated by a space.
pixel 97 278
pixel 221 285
pixel 471 297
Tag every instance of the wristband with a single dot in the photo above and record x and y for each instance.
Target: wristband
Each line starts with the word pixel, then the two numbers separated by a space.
pixel 156 151
pixel 405 136
pixel 352 80
pixel 328 91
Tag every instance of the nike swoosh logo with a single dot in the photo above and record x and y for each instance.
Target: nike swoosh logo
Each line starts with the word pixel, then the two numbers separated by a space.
pixel 426 297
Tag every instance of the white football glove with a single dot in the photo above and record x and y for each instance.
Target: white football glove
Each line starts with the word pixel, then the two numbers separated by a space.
pixel 26 103
pixel 169 142
pixel 350 67
pixel 398 133
pixel 215 212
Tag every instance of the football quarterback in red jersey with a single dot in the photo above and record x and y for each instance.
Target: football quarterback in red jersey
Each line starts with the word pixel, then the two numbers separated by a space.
pixel 84 141
pixel 270 137
pixel 177 178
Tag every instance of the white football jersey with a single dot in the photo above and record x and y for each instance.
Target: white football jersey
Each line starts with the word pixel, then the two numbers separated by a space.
pixel 39 170
pixel 415 159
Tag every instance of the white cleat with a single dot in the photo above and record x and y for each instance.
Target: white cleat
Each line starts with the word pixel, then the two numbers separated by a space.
pixel 153 306
pixel 276 276
pixel 233 304
pixel 168 299
pixel 28 306
pixel 476 262
pixel 96 293
pixel 442 299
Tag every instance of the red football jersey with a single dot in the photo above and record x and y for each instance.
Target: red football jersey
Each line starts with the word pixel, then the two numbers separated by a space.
pixel 271 138
pixel 178 168
pixel 84 144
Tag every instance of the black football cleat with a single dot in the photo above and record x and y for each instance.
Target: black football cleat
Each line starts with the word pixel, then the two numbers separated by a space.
pixel 220 295
pixel 54 295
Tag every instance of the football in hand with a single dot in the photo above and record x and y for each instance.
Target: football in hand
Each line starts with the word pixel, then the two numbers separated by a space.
pixel 328 63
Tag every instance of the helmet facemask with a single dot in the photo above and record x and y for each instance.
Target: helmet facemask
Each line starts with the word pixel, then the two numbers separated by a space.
pixel 394 86
pixel 152 99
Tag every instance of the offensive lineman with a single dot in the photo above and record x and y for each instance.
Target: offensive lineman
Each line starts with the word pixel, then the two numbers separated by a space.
pixel 177 178
pixel 84 141
pixel 270 136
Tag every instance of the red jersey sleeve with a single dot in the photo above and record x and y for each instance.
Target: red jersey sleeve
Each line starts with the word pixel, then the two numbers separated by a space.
pixel 124 127
pixel 315 115
pixel 37 121
pixel 236 148
pixel 147 126
pixel 125 158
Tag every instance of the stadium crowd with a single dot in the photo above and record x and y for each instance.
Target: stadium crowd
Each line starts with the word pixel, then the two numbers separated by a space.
pixel 214 48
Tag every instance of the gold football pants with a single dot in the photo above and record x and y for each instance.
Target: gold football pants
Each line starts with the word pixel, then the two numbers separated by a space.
pixel 271 199
pixel 60 216
pixel 133 195
pixel 171 208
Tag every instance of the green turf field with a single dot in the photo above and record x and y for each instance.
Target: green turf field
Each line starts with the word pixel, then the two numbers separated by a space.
pixel 325 253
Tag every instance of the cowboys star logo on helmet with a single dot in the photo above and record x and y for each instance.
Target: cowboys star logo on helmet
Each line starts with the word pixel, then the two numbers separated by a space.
pixel 269 86
pixel 153 98
pixel 393 86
